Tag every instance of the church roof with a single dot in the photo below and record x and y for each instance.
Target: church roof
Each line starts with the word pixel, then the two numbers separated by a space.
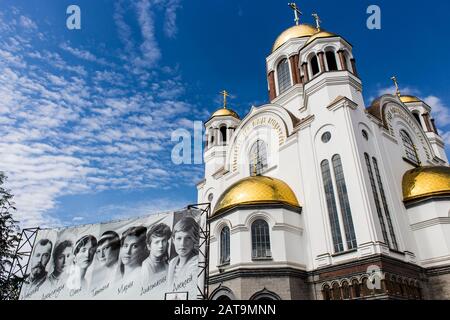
pixel 426 182
pixel 256 190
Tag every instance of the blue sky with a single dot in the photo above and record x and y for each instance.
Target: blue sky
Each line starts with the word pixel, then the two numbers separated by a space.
pixel 86 116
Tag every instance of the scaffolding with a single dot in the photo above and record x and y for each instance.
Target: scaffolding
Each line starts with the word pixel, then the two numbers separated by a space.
pixel 21 259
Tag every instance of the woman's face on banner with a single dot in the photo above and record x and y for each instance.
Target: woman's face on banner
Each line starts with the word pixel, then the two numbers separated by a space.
pixel 64 259
pixel 133 250
pixel 183 243
pixel 84 256
pixel 106 254
pixel 158 246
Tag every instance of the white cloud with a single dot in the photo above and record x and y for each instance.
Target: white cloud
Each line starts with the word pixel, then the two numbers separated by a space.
pixel 170 26
pixel 82 54
pixel 27 23
pixel 392 90
pixel 149 47
pixel 439 110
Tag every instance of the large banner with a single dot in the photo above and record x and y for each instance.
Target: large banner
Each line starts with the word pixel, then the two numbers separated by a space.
pixel 155 257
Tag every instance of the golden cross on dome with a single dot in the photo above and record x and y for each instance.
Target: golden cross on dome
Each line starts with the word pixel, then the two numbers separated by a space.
pixel 225 95
pixel 318 21
pixel 297 12
pixel 397 90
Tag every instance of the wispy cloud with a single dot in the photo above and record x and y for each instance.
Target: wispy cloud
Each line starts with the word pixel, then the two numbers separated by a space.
pixel 170 26
pixel 83 54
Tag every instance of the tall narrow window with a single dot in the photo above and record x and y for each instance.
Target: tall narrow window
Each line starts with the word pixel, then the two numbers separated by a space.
pixel 284 77
pixel 385 205
pixel 377 200
pixel 225 245
pixel 260 240
pixel 332 208
pixel 223 134
pixel 417 117
pixel 258 158
pixel 331 61
pixel 344 202
pixel 314 66
pixel 410 148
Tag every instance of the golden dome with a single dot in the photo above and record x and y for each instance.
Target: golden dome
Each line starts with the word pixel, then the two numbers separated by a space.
pixel 425 182
pixel 225 112
pixel 406 99
pixel 256 190
pixel 300 31
pixel 320 34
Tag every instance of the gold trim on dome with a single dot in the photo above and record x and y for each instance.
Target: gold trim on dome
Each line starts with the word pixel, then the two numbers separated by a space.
pixel 225 112
pixel 424 182
pixel 320 34
pixel 257 190
pixel 407 99
pixel 300 31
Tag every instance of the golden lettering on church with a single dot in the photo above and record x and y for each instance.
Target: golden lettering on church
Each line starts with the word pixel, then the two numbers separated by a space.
pixel 395 111
pixel 270 122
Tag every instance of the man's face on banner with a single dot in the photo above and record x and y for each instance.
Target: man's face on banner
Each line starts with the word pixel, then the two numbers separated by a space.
pixel 158 246
pixel 84 257
pixel 107 254
pixel 63 260
pixel 41 256
pixel 183 243
pixel 133 250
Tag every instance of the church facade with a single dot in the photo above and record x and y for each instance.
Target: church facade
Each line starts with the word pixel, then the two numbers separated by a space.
pixel 317 196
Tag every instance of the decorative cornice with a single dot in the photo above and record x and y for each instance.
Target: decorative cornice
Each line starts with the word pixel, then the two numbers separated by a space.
pixel 304 123
pixel 259 272
pixel 430 223
pixel 340 102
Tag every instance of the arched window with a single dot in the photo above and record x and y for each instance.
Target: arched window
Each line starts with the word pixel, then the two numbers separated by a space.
pixel 331 61
pixel 410 148
pixel 326 292
pixel 260 240
pixel 314 66
pixel 365 289
pixel 344 202
pixel 225 245
pixel 356 289
pixel 284 77
pixel 223 134
pixel 336 292
pixel 332 208
pixel 345 291
pixel 258 158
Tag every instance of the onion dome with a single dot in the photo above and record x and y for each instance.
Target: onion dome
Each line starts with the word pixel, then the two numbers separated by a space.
pixel 223 112
pixel 256 190
pixel 298 31
pixel 320 34
pixel 426 182
pixel 407 99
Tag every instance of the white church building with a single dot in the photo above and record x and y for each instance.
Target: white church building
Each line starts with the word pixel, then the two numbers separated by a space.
pixel 316 195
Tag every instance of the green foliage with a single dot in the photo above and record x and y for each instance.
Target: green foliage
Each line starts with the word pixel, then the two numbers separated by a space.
pixel 9 238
